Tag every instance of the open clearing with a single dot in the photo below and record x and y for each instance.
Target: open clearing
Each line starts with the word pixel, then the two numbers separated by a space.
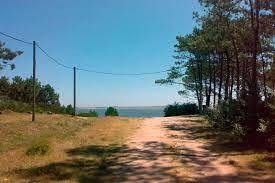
pixel 117 149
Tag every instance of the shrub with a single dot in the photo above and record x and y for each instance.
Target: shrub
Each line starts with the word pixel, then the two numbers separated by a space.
pixel 177 109
pixel 38 149
pixel 91 113
pixel 111 111
pixel 227 114
pixel 69 109
pixel 16 106
pixel 232 116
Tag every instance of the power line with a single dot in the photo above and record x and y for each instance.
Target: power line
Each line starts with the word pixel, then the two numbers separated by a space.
pixel 121 74
pixel 17 39
pixel 53 59
pixel 83 69
pixel 98 72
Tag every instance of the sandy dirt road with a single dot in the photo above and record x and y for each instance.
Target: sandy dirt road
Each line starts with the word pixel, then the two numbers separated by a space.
pixel 164 150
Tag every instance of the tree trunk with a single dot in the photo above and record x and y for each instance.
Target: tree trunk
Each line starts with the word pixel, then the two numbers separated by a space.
pixel 236 53
pixel 199 69
pixel 244 74
pixel 232 82
pixel 208 99
pixel 226 87
pixel 253 90
pixel 214 82
pixel 196 75
pixel 220 79
pixel 264 74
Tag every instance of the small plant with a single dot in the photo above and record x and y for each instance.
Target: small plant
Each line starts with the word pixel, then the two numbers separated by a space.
pixel 91 113
pixel 38 149
pixel 69 109
pixel 111 111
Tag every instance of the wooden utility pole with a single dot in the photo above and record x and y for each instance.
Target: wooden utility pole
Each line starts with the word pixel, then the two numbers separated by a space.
pixel 33 82
pixel 74 92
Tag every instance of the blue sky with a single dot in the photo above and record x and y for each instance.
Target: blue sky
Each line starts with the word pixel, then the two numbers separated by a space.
pixel 122 36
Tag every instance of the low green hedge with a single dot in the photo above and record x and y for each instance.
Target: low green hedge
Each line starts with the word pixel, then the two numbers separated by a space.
pixel 177 109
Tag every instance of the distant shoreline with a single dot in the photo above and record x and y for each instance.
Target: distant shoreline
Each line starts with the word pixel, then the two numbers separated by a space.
pixel 139 111
pixel 120 107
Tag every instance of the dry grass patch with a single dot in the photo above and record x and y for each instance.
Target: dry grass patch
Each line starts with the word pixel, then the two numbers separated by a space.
pixel 16 130
pixel 79 148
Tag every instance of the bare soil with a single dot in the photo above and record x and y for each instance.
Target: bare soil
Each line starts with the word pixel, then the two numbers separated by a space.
pixel 179 149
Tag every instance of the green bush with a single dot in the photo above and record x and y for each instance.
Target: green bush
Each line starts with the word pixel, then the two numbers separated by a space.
pixel 111 111
pixel 69 109
pixel 177 109
pixel 91 113
pixel 227 114
pixel 38 149
pixel 16 106
pixel 232 116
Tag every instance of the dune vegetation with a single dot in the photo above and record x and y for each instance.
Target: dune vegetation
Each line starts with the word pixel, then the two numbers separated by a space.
pixel 54 143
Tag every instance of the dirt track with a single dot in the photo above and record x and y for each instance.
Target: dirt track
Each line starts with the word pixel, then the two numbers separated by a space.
pixel 164 150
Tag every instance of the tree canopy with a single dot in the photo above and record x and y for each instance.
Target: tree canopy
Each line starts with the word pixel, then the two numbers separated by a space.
pixel 6 56
pixel 228 57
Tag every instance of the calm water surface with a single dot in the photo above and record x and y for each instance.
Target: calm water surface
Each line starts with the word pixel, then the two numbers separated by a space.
pixel 130 111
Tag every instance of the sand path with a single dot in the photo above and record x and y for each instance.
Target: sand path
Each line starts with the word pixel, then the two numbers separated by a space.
pixel 163 150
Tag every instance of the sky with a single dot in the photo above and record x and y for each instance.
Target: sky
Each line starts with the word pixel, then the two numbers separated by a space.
pixel 121 36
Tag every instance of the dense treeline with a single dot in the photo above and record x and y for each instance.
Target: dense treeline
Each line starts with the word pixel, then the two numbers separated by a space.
pixel 226 62
pixel 20 90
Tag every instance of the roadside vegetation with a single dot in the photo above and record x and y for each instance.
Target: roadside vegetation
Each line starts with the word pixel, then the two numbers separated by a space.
pixel 59 147
pixel 16 95
pixel 91 113
pixel 111 111
pixel 177 109
pixel 227 64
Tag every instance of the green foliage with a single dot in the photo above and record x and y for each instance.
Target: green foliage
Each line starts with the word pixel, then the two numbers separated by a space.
pixel 233 116
pixel 17 106
pixel 17 96
pixel 91 113
pixel 225 115
pixel 69 109
pixel 6 56
pixel 227 63
pixel 180 109
pixel 111 111
pixel 40 148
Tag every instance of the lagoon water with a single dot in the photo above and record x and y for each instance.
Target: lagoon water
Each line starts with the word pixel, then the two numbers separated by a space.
pixel 154 111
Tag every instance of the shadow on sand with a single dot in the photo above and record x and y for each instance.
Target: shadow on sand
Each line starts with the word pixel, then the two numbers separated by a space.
pixel 218 144
pixel 110 163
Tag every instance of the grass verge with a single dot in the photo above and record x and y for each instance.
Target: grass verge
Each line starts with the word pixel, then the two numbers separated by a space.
pixel 73 148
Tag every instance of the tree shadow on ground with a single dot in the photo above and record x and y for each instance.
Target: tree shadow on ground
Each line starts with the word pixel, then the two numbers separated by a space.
pixel 218 144
pixel 111 163
pixel 85 164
